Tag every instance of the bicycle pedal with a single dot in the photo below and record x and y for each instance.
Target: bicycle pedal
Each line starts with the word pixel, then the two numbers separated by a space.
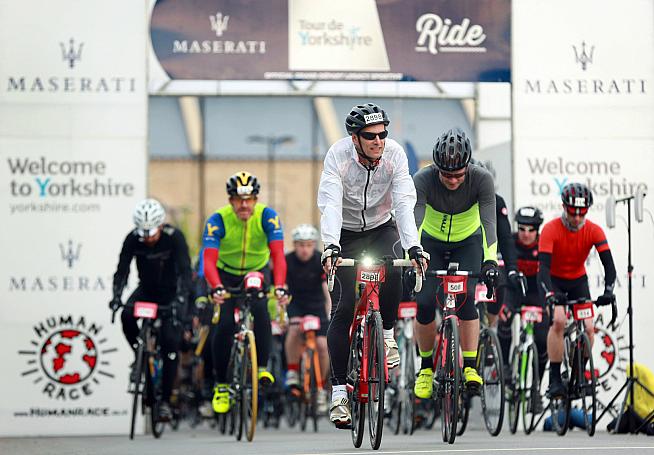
pixel 343 426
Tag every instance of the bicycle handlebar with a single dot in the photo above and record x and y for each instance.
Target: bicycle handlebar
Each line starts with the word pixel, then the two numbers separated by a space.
pixel 441 273
pixel 348 262
pixel 614 308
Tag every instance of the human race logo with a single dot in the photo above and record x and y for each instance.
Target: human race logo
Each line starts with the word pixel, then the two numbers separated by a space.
pixel 68 358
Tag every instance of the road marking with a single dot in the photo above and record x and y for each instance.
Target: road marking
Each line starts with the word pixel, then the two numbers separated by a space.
pixel 486 450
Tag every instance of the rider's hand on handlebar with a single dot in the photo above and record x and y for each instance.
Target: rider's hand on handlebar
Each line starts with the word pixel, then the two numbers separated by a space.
pixel 331 252
pixel 218 295
pixel 418 255
pixel 281 294
pixel 115 304
pixel 552 298
pixel 606 299
pixel 489 273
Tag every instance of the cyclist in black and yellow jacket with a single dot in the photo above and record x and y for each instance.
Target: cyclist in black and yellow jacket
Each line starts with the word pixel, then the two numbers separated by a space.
pixel 239 238
pixel 455 211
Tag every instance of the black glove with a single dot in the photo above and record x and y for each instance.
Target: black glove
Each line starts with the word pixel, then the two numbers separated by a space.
pixel 552 298
pixel 218 290
pixel 517 281
pixel 605 299
pixel 416 253
pixel 330 252
pixel 280 291
pixel 115 304
pixel 489 273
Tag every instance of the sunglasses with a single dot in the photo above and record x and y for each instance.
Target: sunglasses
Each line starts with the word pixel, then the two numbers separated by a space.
pixel 147 233
pixel 368 136
pixel 574 211
pixel 449 175
pixel 526 229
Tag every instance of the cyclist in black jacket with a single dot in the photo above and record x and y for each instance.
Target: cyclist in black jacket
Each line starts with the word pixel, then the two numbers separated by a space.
pixel 164 270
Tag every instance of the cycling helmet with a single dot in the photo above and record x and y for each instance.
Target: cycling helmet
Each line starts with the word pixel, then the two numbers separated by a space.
pixel 452 150
pixel 148 215
pixel 243 184
pixel 304 232
pixel 529 216
pixel 577 195
pixel 364 115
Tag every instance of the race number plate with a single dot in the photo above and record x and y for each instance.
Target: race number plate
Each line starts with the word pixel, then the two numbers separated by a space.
pixel 253 282
pixel 310 323
pixel 455 284
pixel 145 310
pixel 532 313
pixel 583 311
pixel 407 310
pixel 480 293
pixel 370 276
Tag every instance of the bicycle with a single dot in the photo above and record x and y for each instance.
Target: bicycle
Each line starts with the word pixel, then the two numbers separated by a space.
pixel 448 357
pixel 367 373
pixel 490 364
pixel 272 406
pixel 577 368
pixel 145 375
pixel 242 366
pixel 402 406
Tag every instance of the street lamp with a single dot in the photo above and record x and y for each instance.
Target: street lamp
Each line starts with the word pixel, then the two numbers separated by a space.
pixel 271 146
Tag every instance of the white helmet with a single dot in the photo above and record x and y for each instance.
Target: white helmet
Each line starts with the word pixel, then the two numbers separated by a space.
pixel 304 232
pixel 149 214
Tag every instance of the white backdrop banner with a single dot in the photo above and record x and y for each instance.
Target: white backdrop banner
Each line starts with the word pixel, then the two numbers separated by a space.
pixel 584 111
pixel 73 112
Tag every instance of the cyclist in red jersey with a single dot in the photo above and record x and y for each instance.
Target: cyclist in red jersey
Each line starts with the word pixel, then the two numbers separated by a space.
pixel 563 247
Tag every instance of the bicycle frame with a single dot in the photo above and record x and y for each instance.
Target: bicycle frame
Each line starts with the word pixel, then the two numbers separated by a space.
pixel 309 325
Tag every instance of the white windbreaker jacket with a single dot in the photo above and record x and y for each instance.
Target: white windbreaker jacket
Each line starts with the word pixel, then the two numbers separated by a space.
pixel 356 199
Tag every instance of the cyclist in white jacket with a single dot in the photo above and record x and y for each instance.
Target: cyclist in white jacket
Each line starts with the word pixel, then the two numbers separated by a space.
pixel 365 177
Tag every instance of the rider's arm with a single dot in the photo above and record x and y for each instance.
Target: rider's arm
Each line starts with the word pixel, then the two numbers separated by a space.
pixel 185 274
pixel 602 247
pixel 214 230
pixel 125 258
pixel 404 201
pixel 487 213
pixel 504 237
pixel 330 201
pixel 545 249
pixel 272 226
pixel 421 182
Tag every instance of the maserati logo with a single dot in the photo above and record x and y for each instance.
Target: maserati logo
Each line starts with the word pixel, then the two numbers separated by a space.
pixel 219 23
pixel 583 55
pixel 70 253
pixel 70 54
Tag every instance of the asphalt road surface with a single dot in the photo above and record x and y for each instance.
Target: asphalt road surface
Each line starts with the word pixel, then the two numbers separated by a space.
pixel 205 440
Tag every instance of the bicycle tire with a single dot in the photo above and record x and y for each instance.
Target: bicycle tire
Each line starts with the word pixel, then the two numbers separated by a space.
pixel 138 364
pixel 234 374
pixel 357 407
pixel 376 379
pixel 514 392
pixel 492 391
pixel 249 386
pixel 530 393
pixel 451 377
pixel 408 405
pixel 313 387
pixel 587 383
pixel 561 406
pixel 464 413
pixel 156 426
pixel 305 390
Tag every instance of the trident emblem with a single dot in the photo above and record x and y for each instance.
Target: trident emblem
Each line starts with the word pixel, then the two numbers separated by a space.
pixel 219 23
pixel 584 57
pixel 70 54
pixel 70 255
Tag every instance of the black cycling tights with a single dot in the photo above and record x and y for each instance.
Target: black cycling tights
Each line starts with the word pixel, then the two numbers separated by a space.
pixel 223 337
pixel 377 242
pixel 170 336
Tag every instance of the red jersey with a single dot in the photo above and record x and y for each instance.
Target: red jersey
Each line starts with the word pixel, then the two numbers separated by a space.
pixel 569 249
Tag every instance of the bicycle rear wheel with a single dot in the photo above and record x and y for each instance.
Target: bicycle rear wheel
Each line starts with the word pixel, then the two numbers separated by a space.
pixel 138 386
pixel 587 383
pixel 530 394
pixel 249 386
pixel 451 381
pixel 376 379
pixel 492 370
pixel 357 407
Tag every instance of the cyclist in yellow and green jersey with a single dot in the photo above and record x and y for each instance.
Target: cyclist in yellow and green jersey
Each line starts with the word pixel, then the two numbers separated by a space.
pixel 455 211
pixel 242 237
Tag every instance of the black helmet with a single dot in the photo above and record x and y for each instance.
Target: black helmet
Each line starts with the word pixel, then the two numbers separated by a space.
pixel 577 195
pixel 365 115
pixel 452 150
pixel 529 216
pixel 243 184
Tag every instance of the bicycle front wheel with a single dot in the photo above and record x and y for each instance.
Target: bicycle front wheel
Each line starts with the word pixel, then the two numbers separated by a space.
pixel 249 386
pixel 492 393
pixel 451 381
pixel 530 395
pixel 513 390
pixel 560 407
pixel 408 408
pixel 357 407
pixel 376 379
pixel 137 384
pixel 587 383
